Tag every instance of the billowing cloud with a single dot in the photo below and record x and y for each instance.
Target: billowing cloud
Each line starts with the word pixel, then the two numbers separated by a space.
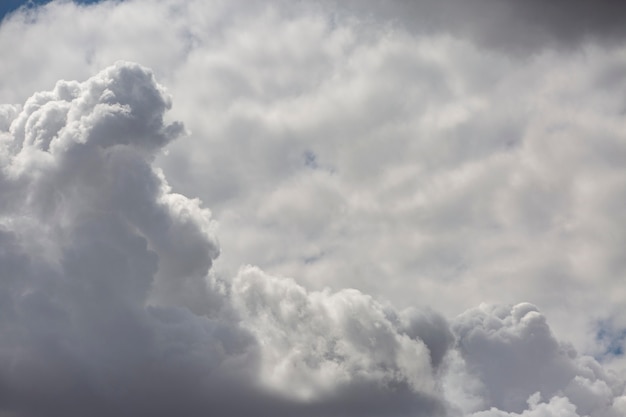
pixel 107 300
pixel 400 174
pixel 109 306
pixel 520 364
pixel 101 262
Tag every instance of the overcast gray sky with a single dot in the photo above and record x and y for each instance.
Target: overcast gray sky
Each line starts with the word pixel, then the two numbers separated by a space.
pixel 320 208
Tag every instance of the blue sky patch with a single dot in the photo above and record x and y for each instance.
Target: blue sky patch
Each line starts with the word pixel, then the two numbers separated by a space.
pixel 8 6
pixel 611 338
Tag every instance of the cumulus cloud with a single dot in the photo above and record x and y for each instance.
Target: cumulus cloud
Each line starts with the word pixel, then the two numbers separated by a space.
pixel 102 263
pixel 522 365
pixel 318 341
pixel 108 304
pixel 107 300
pixel 422 166
pixel 106 290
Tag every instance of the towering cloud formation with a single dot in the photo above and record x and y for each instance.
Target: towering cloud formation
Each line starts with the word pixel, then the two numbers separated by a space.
pixel 108 306
pixel 101 263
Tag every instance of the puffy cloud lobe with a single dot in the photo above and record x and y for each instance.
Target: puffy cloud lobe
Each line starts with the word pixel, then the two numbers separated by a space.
pixel 524 370
pixel 557 407
pixel 83 152
pixel 342 352
pixel 315 342
pixel 121 106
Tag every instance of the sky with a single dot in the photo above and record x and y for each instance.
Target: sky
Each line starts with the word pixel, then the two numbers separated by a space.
pixel 10 6
pixel 313 208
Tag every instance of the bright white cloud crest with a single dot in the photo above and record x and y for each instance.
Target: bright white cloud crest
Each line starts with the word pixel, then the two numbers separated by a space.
pixel 391 173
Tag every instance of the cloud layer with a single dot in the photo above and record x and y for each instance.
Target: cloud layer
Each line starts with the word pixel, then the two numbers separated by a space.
pixel 509 25
pixel 401 173
pixel 108 305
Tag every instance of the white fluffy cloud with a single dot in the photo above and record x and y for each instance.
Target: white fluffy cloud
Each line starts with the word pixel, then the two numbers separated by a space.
pixel 314 342
pixel 107 294
pixel 519 362
pixel 426 169
pixel 101 262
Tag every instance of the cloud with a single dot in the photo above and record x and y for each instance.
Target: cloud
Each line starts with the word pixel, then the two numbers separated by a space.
pixel 423 168
pixel 101 262
pixel 506 26
pixel 315 345
pixel 519 362
pixel 107 296
pixel 318 341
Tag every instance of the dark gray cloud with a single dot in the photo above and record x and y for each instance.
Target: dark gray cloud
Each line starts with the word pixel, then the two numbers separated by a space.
pixel 506 25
